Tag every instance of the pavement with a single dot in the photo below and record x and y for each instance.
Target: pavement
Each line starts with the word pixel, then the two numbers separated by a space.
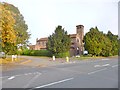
pixel 93 73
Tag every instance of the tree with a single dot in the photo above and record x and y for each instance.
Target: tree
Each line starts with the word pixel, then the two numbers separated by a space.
pixel 7 32
pixel 59 42
pixel 13 29
pixel 114 41
pixel 20 26
pixel 97 43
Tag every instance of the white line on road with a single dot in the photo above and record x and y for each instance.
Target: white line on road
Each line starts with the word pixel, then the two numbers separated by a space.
pixel 106 65
pixel 32 80
pixel 10 78
pixel 97 71
pixel 105 59
pixel 4 77
pixel 97 66
pixel 55 83
pixel 101 65
pixel 27 74
pixel 114 66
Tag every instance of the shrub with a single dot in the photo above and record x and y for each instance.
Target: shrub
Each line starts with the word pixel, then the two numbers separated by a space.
pixel 61 55
pixel 37 53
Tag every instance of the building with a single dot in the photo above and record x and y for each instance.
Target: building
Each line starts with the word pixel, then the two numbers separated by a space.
pixel 77 45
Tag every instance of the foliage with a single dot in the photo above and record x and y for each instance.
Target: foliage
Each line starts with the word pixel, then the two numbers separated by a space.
pixel 114 41
pixel 99 44
pixel 13 30
pixel 36 53
pixel 20 26
pixel 61 55
pixel 8 34
pixel 59 42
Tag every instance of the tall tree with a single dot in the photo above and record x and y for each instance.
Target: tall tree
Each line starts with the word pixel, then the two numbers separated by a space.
pixel 59 41
pixel 7 32
pixel 114 41
pixel 97 43
pixel 12 21
pixel 20 26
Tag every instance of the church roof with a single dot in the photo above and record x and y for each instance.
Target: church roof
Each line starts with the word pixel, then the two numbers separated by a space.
pixel 42 39
pixel 73 35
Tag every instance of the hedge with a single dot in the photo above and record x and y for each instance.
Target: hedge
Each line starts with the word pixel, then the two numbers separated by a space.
pixel 37 53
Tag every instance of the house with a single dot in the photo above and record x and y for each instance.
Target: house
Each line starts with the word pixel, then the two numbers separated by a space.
pixel 77 45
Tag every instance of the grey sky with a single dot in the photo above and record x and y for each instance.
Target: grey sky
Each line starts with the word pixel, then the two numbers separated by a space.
pixel 42 16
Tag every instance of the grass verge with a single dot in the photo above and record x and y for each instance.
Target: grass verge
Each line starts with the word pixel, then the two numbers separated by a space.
pixel 9 60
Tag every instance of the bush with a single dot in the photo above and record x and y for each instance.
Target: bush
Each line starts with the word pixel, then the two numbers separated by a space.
pixel 62 55
pixel 37 53
pixel 88 55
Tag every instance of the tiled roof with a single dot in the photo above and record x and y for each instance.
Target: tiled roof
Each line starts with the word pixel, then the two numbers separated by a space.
pixel 73 35
pixel 31 46
pixel 43 39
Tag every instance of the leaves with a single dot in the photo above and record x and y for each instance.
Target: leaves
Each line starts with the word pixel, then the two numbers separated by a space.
pixel 13 30
pixel 8 34
pixel 20 26
pixel 59 41
pixel 98 43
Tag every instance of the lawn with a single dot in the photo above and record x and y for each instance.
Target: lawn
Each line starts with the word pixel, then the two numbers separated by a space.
pixel 9 60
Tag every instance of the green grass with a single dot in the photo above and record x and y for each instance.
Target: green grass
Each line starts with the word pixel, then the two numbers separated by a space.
pixel 87 57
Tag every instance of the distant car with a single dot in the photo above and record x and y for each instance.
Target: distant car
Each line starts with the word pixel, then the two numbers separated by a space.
pixel 85 52
pixel 2 55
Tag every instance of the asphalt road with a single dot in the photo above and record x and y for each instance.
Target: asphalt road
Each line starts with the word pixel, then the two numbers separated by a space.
pixel 99 73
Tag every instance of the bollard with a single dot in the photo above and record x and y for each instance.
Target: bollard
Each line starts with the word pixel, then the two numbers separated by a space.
pixel 12 58
pixel 67 59
pixel 15 56
pixel 53 58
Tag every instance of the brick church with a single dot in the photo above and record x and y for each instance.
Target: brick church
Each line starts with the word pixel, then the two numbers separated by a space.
pixel 77 45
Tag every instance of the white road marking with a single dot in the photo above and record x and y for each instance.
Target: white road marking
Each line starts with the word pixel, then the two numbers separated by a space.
pixel 114 66
pixel 54 83
pixel 101 65
pixel 96 71
pixel 105 59
pixel 32 80
pixel 106 65
pixel 97 66
pixel 10 78
pixel 27 74
pixel 4 77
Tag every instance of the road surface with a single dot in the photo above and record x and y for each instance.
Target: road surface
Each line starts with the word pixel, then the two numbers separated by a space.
pixel 97 73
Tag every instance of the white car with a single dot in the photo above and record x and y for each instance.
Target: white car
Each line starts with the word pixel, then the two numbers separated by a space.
pixel 85 52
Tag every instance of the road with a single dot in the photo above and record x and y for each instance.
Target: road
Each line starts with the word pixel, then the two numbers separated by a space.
pixel 97 73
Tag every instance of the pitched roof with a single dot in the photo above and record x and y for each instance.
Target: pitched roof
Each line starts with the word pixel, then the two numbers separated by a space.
pixel 32 46
pixel 73 35
pixel 43 39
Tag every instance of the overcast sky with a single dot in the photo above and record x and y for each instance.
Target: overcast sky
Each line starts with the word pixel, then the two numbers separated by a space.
pixel 43 16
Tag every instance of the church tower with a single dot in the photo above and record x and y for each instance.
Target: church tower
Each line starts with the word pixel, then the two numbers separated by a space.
pixel 80 32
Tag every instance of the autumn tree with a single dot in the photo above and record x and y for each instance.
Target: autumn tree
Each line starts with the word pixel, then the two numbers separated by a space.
pixel 7 32
pixel 13 27
pixel 59 42
pixel 20 26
